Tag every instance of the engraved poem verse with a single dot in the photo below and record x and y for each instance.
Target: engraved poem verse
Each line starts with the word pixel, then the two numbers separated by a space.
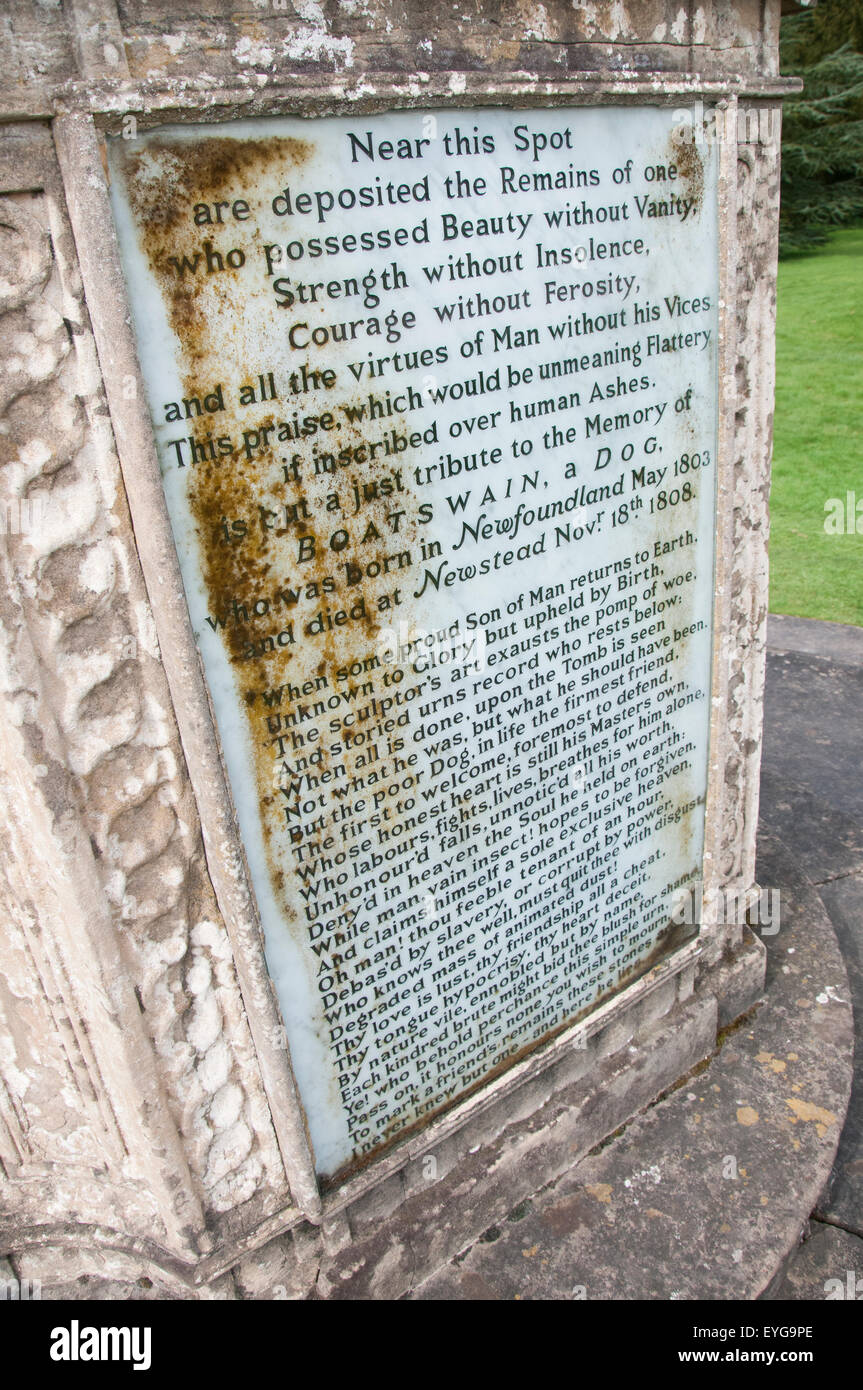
pixel 435 402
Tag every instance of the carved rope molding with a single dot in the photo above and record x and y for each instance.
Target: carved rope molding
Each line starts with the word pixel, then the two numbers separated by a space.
pixel 116 767
pixel 73 1029
pixel 86 195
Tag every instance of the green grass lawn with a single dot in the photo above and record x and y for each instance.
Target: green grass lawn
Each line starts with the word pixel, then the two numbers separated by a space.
pixel 818 433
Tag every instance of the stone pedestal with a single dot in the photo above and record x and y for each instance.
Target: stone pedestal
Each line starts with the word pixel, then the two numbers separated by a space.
pixel 150 1122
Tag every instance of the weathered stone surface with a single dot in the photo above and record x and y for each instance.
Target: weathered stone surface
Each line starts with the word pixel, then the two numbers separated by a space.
pixel 757 232
pixel 241 43
pixel 827 1266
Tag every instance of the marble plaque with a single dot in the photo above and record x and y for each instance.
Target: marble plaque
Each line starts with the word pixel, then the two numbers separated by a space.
pixel 435 398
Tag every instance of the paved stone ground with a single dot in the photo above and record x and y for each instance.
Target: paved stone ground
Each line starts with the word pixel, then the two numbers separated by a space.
pixel 702 1196
pixel 812 799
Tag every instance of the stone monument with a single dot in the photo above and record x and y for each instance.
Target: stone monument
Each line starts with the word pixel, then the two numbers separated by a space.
pixel 386 450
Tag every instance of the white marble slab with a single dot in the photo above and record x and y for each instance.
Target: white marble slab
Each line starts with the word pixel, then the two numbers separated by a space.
pixel 435 401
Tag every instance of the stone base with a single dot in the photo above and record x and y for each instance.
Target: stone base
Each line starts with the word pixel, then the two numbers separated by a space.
pixel 549 1127
pixel 395 1226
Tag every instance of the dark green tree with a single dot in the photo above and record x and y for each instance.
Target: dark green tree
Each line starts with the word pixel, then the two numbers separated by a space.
pixel 818 31
pixel 822 130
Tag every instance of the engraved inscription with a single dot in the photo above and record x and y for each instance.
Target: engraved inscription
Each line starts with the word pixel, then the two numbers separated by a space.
pixel 435 402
